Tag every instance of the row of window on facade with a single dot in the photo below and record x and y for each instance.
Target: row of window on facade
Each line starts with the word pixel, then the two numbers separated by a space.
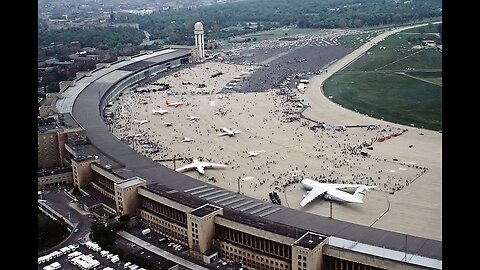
pixel 166 227
pixel 53 178
pixel 259 264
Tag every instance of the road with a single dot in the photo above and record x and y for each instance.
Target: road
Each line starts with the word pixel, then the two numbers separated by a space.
pixel 57 200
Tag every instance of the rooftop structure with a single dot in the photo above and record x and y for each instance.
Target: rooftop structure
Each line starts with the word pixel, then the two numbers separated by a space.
pixel 310 240
pixel 205 210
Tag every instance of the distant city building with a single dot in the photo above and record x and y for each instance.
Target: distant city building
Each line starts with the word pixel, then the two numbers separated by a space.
pixel 199 41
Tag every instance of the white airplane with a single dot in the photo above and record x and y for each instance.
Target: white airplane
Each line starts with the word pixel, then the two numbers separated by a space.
pixel 332 192
pixel 141 122
pixel 176 104
pixel 167 124
pixel 200 166
pixel 193 118
pixel 254 153
pixel 159 111
pixel 229 132
pixel 185 139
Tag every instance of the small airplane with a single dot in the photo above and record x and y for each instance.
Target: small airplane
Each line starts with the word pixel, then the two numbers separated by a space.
pixel 176 104
pixel 167 124
pixel 185 139
pixel 159 111
pixel 254 153
pixel 332 192
pixel 141 122
pixel 200 166
pixel 192 118
pixel 229 132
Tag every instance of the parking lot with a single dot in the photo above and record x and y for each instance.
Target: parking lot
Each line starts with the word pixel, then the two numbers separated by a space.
pixel 66 264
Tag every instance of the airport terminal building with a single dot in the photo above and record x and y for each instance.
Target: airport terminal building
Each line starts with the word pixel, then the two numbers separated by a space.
pixel 211 221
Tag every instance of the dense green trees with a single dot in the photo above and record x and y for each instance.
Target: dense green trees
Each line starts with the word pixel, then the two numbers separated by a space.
pixel 228 20
pixel 50 232
pixel 101 38
pixel 176 26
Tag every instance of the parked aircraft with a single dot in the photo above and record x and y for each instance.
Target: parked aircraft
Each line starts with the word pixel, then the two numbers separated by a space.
pixel 229 132
pixel 333 192
pixel 167 124
pixel 159 111
pixel 193 118
pixel 254 153
pixel 185 139
pixel 141 122
pixel 200 166
pixel 176 104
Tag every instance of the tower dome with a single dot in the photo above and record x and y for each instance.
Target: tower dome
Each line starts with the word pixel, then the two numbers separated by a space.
pixel 198 27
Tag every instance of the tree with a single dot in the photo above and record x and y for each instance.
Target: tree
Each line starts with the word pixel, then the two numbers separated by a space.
pixel 53 87
pixel 125 217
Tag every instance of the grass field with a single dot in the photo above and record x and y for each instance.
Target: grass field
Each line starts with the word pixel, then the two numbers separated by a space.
pixel 434 77
pixel 397 53
pixel 396 83
pixel 431 28
pixel 390 97
pixel 280 33
pixel 50 232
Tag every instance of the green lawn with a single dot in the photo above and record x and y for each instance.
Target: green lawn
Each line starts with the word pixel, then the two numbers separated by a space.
pixel 374 86
pixel 280 33
pixel 434 77
pixel 396 52
pixel 393 97
pixel 431 28
pixel 50 232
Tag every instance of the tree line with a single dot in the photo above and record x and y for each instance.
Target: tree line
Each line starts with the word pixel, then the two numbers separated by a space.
pixel 175 26
pixel 103 38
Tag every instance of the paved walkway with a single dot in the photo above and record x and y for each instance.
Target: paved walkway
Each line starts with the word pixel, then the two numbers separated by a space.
pixel 159 251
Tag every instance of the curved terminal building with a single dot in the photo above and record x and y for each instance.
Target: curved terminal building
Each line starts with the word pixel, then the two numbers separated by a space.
pixel 211 221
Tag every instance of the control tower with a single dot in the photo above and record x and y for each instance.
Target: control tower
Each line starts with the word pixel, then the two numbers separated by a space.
pixel 199 41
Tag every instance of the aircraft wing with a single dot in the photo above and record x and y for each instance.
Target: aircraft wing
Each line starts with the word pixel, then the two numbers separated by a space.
pixel 344 196
pixel 315 192
pixel 200 169
pixel 209 165
pixel 188 167
pixel 342 186
pixel 223 134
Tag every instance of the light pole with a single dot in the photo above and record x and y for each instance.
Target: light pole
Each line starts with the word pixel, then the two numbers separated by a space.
pixel 330 209
pixel 238 182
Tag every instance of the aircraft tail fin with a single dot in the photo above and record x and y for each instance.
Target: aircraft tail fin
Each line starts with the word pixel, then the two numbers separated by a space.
pixel 361 191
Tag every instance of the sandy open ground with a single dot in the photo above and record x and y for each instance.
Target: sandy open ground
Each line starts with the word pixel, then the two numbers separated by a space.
pixel 406 168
